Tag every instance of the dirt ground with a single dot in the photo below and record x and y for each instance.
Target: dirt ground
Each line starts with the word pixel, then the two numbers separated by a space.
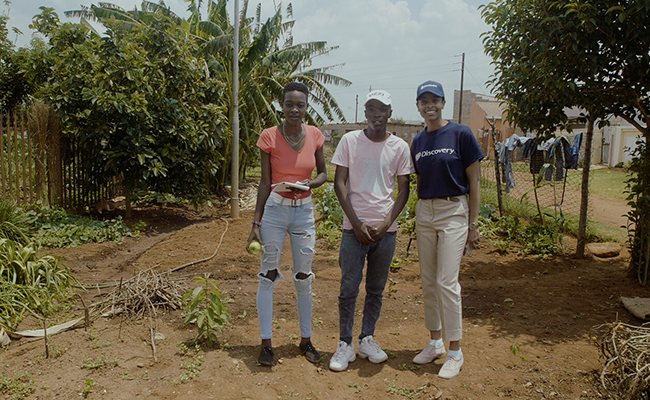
pixel 545 308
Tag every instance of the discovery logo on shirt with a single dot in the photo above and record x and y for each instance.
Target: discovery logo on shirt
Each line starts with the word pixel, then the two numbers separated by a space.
pixel 429 153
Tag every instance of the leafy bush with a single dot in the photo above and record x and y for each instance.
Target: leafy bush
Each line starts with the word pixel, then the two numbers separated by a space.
pixel 406 219
pixel 57 228
pixel 15 223
pixel 328 207
pixel 540 241
pixel 29 283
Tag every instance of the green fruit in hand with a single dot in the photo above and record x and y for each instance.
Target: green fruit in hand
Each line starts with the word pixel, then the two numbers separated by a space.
pixel 255 247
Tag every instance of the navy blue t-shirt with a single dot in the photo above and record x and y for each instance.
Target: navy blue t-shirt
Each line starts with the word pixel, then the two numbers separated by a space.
pixel 441 157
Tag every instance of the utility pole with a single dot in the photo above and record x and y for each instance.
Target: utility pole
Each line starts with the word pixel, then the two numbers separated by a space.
pixel 356 109
pixel 462 77
pixel 234 180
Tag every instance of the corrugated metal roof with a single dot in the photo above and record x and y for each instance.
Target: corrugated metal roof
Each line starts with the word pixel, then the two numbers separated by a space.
pixel 491 109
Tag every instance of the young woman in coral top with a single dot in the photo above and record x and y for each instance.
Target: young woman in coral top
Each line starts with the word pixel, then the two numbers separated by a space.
pixel 289 153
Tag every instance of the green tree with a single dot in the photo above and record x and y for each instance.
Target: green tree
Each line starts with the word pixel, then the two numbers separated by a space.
pixel 14 87
pixel 268 60
pixel 141 101
pixel 587 54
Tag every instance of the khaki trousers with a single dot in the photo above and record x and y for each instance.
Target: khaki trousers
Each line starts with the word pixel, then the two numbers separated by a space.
pixel 442 226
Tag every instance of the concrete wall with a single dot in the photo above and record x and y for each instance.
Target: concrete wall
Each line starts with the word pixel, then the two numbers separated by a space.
pixel 405 131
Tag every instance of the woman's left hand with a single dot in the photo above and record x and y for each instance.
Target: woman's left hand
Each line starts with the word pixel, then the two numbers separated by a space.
pixel 473 238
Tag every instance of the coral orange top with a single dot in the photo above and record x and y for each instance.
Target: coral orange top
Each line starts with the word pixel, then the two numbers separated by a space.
pixel 288 165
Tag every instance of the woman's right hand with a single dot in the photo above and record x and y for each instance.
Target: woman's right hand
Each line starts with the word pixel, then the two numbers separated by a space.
pixel 254 236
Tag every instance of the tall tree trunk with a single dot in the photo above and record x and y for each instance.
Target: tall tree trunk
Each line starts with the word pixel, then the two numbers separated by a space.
pixel 584 200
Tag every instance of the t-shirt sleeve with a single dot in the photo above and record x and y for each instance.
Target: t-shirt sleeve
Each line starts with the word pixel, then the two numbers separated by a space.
pixel 405 162
pixel 320 138
pixel 266 142
pixel 413 150
pixel 341 153
pixel 471 151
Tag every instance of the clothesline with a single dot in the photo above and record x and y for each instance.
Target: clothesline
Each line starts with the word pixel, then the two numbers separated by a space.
pixel 555 151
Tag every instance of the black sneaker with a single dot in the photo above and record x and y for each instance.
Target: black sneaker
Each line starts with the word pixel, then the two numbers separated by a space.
pixel 266 356
pixel 311 354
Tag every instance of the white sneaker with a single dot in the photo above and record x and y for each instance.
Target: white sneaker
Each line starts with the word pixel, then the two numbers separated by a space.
pixel 370 349
pixel 344 355
pixel 451 367
pixel 430 353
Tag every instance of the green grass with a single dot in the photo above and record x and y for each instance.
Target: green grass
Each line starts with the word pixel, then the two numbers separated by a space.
pixel 596 231
pixel 608 183
pixel 603 181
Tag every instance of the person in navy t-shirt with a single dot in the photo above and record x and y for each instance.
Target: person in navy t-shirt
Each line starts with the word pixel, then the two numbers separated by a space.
pixel 447 159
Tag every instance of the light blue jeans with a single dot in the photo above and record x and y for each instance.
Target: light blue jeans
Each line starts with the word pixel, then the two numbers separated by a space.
pixel 352 258
pixel 299 223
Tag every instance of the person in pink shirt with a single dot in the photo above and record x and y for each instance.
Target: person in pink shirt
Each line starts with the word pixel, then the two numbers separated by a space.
pixel 368 163
pixel 289 153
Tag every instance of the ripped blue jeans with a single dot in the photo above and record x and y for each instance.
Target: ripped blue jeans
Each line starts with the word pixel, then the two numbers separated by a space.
pixel 278 220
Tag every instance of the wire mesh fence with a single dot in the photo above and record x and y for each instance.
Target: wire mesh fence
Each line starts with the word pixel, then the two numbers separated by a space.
pixel 557 192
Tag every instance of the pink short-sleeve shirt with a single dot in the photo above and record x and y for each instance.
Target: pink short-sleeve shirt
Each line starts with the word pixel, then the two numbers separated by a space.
pixel 288 165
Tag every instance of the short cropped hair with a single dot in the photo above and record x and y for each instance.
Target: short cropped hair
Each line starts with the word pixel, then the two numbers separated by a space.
pixel 295 86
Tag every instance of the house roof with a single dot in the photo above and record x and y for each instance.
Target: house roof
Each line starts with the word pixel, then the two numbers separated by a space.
pixel 492 109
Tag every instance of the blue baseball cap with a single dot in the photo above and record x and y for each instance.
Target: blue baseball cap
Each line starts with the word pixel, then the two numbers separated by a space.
pixel 430 87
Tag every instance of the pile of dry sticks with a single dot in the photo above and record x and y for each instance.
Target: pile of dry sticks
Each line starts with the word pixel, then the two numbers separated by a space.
pixel 627 351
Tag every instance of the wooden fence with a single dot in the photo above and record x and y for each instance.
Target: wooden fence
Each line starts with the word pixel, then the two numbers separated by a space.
pixel 38 163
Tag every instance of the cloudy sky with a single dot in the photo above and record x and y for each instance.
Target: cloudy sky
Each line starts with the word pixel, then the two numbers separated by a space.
pixel 383 44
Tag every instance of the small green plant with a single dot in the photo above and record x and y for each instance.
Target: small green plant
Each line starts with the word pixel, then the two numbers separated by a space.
pixel 515 350
pixel 355 385
pixel 405 392
pixel 18 387
pixel 136 377
pixel 396 264
pixel 99 345
pixel 90 335
pixel 102 362
pixel 193 367
pixel 88 387
pixel 203 306
pixel 57 350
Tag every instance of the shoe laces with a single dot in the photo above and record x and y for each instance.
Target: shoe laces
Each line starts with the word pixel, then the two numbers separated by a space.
pixel 340 351
pixel 370 342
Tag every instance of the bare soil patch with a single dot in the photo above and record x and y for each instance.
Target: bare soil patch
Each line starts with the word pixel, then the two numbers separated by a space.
pixel 545 308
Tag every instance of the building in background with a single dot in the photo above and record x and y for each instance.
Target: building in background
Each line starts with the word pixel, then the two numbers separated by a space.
pixel 406 131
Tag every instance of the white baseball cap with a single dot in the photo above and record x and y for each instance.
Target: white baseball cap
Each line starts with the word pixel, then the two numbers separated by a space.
pixel 379 95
